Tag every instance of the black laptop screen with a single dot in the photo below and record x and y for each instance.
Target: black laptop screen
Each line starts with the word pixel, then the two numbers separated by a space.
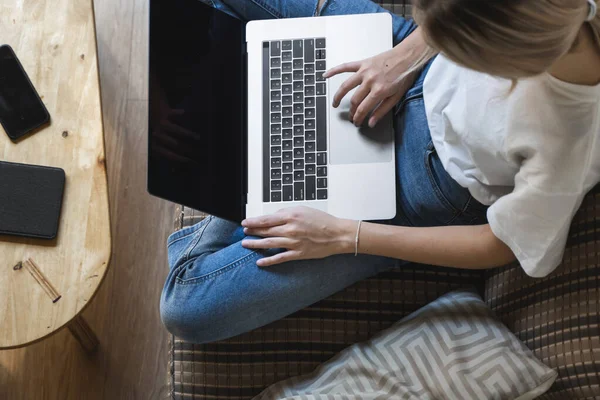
pixel 196 124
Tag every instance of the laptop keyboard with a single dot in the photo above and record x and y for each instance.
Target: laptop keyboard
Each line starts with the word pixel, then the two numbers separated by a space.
pixel 294 120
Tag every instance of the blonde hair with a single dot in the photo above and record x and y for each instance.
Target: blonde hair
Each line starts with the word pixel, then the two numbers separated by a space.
pixel 507 38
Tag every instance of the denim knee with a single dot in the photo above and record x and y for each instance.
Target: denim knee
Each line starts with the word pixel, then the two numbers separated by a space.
pixel 207 308
pixel 190 322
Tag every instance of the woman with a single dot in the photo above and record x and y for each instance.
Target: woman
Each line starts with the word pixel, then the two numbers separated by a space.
pixel 496 148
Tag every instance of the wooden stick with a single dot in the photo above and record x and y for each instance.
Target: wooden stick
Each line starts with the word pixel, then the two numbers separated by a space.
pixel 33 269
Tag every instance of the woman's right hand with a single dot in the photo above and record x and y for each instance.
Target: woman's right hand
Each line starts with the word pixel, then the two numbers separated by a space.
pixel 382 80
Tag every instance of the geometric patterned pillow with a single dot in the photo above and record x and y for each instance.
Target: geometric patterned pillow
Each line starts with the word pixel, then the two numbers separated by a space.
pixel 453 348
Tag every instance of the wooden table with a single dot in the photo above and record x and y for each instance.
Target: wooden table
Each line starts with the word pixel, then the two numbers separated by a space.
pixel 56 43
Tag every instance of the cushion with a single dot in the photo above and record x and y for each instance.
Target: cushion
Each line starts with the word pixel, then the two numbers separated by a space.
pixel 453 348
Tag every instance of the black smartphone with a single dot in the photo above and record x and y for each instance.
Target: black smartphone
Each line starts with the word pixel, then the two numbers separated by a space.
pixel 21 109
pixel 30 200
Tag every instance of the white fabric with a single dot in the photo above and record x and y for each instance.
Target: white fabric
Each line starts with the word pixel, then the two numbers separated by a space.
pixel 532 154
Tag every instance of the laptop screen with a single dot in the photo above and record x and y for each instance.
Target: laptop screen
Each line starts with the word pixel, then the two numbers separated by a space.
pixel 196 108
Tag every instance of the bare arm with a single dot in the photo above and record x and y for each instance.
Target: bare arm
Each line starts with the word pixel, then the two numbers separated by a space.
pixel 470 247
pixel 307 234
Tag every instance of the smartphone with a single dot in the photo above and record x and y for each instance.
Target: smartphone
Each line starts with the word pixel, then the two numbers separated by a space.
pixel 21 109
pixel 31 199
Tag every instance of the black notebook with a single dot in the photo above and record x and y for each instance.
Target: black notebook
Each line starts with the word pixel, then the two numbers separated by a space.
pixel 30 200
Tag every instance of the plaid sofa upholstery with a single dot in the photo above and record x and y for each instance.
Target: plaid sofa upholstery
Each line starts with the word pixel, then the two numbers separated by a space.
pixel 557 317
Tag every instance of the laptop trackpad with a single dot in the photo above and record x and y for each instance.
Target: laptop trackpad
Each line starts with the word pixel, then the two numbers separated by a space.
pixel 352 145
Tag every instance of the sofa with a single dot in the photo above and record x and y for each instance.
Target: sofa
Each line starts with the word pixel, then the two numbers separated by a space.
pixel 557 317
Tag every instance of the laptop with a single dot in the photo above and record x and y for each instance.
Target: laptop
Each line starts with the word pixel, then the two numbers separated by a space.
pixel 240 117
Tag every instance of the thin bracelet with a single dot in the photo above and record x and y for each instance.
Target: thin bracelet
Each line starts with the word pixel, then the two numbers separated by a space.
pixel 356 239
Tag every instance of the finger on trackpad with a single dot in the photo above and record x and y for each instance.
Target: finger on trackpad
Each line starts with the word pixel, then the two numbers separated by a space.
pixel 358 145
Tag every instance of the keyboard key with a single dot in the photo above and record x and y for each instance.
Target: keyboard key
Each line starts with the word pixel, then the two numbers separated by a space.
pixel 322 183
pixel 276 173
pixel 319 76
pixel 275 140
pixel 287 134
pixel 275 49
pixel 276 162
pixel 298 108
pixel 322 171
pixel 309 68
pixel 286 78
pixel 287 89
pixel 298 152
pixel 310 124
pixel 275 151
pixel 288 179
pixel 287 111
pixel 298 86
pixel 309 80
pixel 298 64
pixel 310 147
pixel 321 54
pixel 319 43
pixel 322 194
pixel 287 156
pixel 287 122
pixel 298 191
pixel 311 191
pixel 275 106
pixel 287 100
pixel 321 89
pixel 310 135
pixel 275 62
pixel 298 119
pixel 276 95
pixel 321 124
pixel 286 56
pixel 287 167
pixel 287 145
pixel 298 75
pixel 298 48
pixel 298 141
pixel 276 185
pixel 288 193
pixel 309 102
pixel 310 158
pixel 309 90
pixel 298 176
pixel 275 118
pixel 275 73
pixel 275 129
pixel 298 97
pixel 298 131
pixel 287 45
pixel 299 164
pixel 275 84
pixel 276 196
pixel 310 169
pixel 286 67
pixel 321 158
pixel 309 113
pixel 321 65
pixel 309 50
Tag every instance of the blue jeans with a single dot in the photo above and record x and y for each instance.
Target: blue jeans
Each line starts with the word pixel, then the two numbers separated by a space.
pixel 215 290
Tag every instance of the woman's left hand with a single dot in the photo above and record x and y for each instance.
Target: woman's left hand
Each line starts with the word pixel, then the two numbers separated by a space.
pixel 304 232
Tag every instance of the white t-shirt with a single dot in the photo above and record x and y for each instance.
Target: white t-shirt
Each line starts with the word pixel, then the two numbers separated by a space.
pixel 532 154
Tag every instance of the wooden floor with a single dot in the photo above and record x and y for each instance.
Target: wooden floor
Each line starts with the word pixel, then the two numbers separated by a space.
pixel 132 358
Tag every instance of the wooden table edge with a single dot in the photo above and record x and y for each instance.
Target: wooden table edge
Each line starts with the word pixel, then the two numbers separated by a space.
pixel 107 202
pixel 76 315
